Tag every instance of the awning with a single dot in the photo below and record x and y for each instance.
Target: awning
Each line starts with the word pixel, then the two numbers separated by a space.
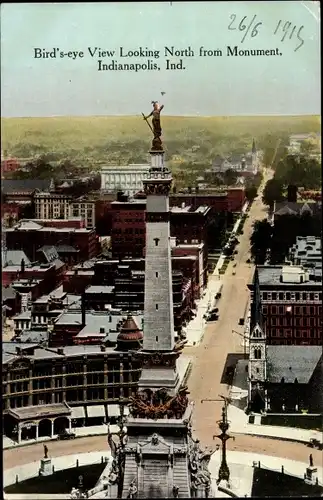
pixel 113 411
pixel 96 411
pixel 78 412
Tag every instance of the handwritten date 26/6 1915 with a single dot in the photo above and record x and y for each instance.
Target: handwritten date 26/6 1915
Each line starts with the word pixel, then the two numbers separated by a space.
pixel 252 27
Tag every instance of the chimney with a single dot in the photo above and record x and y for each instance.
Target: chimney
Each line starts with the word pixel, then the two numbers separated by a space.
pixel 110 318
pixel 18 351
pixel 102 329
pixel 102 347
pixel 83 310
pixel 22 266
pixel 60 350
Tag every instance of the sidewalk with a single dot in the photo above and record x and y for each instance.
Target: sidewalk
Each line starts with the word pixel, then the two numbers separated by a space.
pixel 195 329
pixel 80 432
pixel 239 425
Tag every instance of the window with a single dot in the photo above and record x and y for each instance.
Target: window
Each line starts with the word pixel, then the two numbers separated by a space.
pixel 156 338
pixel 264 295
pixel 156 307
pixel 297 321
pixel 281 296
pixel 257 353
pixel 312 321
pixel 156 274
pixel 274 296
pixel 312 309
pixel 156 240
pixel 297 295
pixel 288 296
pixel 297 310
pixel 273 309
pixel 311 296
pixel 281 310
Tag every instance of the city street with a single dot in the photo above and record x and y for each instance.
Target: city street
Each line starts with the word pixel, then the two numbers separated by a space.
pixel 206 380
pixel 210 357
pixel 20 456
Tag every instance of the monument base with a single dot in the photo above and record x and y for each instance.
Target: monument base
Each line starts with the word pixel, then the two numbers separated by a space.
pixel 311 475
pixel 45 467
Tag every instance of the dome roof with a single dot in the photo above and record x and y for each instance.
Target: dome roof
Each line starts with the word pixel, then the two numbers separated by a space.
pixel 130 331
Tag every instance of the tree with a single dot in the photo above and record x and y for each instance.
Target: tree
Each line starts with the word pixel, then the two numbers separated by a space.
pixel 260 240
pixel 251 193
pixel 230 177
pixel 299 170
pixel 273 191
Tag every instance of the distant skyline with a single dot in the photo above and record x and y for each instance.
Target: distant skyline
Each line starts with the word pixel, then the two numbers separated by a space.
pixel 225 86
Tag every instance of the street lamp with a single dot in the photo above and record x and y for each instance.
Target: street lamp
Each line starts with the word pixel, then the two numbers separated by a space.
pixel 224 471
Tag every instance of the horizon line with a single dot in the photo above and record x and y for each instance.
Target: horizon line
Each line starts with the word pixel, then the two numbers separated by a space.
pixel 165 115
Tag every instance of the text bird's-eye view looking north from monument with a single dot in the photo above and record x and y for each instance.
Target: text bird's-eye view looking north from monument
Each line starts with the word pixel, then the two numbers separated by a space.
pixel 161 282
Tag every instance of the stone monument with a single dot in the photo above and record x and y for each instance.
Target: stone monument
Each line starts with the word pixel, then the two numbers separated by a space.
pixel 159 458
pixel 45 464
pixel 311 472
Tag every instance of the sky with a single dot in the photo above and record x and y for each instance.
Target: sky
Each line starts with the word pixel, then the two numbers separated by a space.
pixel 287 84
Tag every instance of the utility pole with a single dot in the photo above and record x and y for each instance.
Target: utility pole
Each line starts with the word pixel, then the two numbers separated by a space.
pixel 244 342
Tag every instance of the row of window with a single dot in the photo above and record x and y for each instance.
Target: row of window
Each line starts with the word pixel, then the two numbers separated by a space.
pixel 297 333
pixel 304 310
pixel 289 321
pixel 291 296
pixel 70 396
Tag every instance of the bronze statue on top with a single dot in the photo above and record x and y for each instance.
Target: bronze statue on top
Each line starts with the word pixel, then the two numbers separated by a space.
pixel 157 144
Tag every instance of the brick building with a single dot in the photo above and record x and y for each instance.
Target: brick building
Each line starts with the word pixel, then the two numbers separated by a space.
pixel 128 235
pixel 22 190
pixel 292 304
pixel 31 236
pixel 228 200
pixel 128 230
pixel 9 165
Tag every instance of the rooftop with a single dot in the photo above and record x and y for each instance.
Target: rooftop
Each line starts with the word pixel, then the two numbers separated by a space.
pixel 29 412
pixel 99 289
pixel 292 362
pixel 271 275
pixel 23 185
pixel 14 258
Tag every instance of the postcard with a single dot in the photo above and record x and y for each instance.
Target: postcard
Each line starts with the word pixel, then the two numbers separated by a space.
pixel 161 249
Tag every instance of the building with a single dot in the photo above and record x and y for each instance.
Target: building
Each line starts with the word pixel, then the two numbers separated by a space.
pixel 121 284
pixel 128 228
pixel 292 304
pixel 127 178
pixel 306 252
pixel 82 326
pixel 22 191
pixel 188 225
pixel 9 165
pixel 11 213
pixel 285 377
pixel 248 162
pixel 231 199
pixel 74 385
pixel 297 208
pixel 94 209
pixel 51 204
pixel 30 236
pixel 25 276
